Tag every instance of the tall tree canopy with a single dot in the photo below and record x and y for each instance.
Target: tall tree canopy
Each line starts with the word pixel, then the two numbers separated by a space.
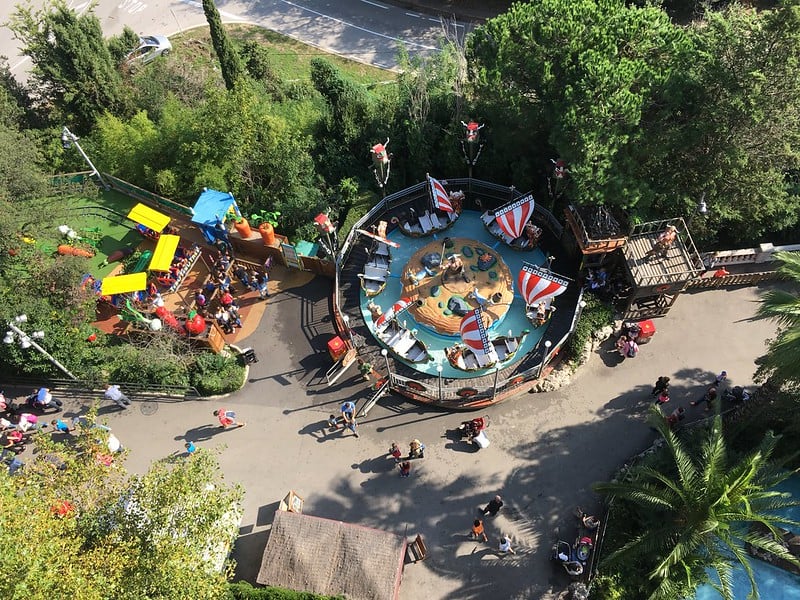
pixel 229 62
pixel 75 526
pixel 590 68
pixel 72 66
pixel 696 511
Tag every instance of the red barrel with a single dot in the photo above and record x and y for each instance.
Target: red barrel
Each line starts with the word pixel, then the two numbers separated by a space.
pixel 336 348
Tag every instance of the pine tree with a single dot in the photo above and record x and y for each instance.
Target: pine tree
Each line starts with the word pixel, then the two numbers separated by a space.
pixel 229 61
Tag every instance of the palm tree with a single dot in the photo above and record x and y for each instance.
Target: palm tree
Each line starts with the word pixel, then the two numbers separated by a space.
pixel 782 362
pixel 700 511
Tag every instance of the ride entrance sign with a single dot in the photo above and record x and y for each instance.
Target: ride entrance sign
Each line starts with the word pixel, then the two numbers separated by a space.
pixel 291 257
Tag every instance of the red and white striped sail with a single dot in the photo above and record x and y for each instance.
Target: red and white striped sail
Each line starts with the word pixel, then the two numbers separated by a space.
pixel 394 310
pixel 440 197
pixel 537 284
pixel 473 332
pixel 513 216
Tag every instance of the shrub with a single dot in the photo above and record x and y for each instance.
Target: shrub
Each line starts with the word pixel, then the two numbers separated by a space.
pixel 215 374
pixel 594 317
pixel 241 590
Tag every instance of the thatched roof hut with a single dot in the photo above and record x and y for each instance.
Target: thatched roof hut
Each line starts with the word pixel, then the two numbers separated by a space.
pixel 306 553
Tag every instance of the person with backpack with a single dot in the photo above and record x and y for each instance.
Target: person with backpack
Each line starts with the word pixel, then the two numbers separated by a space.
pixel 631 349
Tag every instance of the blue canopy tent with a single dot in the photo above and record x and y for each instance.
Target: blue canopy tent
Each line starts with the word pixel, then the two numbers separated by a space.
pixel 211 211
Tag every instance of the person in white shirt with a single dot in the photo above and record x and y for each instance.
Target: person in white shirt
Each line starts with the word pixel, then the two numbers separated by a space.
pixel 115 394
pixel 505 545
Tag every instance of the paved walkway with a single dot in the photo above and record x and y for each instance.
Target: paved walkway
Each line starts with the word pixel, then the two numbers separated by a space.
pixel 546 450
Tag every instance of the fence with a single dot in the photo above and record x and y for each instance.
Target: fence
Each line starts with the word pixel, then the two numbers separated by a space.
pixel 444 393
pixel 703 283
pixel 79 388
pixel 141 194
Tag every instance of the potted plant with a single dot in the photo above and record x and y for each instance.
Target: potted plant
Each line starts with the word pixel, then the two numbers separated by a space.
pixel 266 221
pixel 242 226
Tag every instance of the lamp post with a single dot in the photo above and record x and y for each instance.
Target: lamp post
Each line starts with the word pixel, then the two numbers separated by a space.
pixel 67 139
pixel 547 345
pixel 25 341
pixel 701 209
pixel 385 355
pixel 439 371
pixel 346 321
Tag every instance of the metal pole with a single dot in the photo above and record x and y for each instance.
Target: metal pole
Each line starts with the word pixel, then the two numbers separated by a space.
pixel 547 345
pixel 68 136
pixel 385 354
pixel 494 385
pixel 22 335
pixel 439 371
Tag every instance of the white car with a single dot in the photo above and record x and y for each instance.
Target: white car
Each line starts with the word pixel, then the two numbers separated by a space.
pixel 149 49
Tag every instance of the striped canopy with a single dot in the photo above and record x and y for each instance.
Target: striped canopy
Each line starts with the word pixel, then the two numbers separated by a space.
pixel 441 199
pixel 393 312
pixel 473 331
pixel 513 216
pixel 537 284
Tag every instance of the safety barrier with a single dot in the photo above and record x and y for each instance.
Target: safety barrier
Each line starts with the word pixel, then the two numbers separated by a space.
pixel 703 283
pixel 137 391
pixel 141 194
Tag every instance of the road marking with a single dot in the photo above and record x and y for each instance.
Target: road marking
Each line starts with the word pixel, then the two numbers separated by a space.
pixel 375 4
pixel 223 13
pixel 20 63
pixel 132 6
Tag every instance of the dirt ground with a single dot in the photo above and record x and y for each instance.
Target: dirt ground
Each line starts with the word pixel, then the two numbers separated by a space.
pixel 546 449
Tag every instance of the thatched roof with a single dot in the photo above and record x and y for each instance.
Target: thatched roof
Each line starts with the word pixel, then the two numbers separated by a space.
pixel 306 553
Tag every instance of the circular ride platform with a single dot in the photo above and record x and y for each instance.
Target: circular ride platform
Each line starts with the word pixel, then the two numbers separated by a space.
pixel 445 294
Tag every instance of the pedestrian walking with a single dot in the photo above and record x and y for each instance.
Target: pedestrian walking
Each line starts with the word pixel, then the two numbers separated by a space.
pixel 115 394
pixel 494 506
pixel 478 532
pixel 416 449
pixel 709 397
pixel 676 416
pixel 394 451
pixel 365 369
pixel 720 378
pixel 505 545
pixel 60 426
pixel 661 385
pixel 190 448
pixel 227 418
pixel 348 410
pixel 663 398
pixel 405 468
pixel 42 399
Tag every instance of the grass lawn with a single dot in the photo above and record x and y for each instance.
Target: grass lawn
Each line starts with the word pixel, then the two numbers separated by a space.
pixel 98 218
pixel 290 59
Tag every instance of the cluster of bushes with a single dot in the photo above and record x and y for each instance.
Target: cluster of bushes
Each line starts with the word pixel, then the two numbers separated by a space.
pixel 241 590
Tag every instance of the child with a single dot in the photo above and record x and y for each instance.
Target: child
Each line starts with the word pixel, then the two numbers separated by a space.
pixel 663 398
pixel 394 451
pixel 416 449
pixel 190 448
pixel 405 469
pixel 227 418
pixel 478 531
pixel 505 545
pixel 60 426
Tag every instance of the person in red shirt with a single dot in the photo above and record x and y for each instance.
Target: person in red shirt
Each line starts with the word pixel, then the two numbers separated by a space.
pixel 227 418
pixel 226 299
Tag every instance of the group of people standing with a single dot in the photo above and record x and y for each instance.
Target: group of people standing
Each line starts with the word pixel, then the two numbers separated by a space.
pixel 478 531
pixel 661 393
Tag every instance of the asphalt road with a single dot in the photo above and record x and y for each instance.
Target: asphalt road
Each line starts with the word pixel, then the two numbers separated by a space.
pixel 364 30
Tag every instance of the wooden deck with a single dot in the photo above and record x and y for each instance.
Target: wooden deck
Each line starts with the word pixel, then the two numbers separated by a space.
pixel 677 267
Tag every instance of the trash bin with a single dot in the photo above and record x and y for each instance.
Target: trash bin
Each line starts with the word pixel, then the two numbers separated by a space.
pixel 336 348
pixel 647 331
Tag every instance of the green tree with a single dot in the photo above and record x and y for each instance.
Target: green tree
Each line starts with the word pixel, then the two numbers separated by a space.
pixel 164 534
pixel 728 124
pixel 697 511
pixel 22 173
pixel 72 66
pixel 782 362
pixel 229 61
pixel 587 70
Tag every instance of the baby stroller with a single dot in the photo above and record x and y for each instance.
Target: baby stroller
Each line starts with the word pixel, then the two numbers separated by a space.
pixel 563 555
pixel 474 432
pixel 471 429
pixel 737 395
